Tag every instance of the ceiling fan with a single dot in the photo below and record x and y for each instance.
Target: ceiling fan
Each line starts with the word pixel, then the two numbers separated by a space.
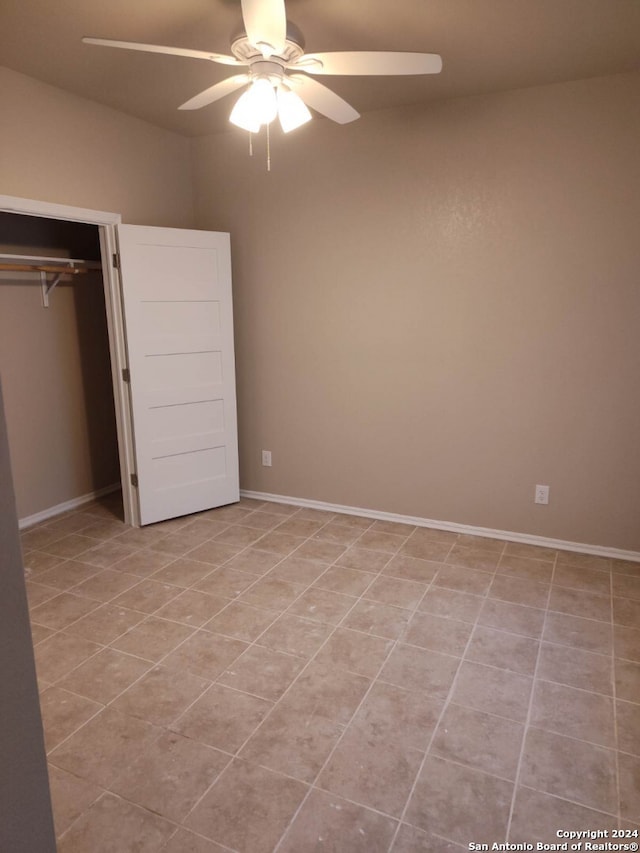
pixel 277 81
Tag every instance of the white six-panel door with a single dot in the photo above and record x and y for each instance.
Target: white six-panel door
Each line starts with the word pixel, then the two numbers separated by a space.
pixel 176 287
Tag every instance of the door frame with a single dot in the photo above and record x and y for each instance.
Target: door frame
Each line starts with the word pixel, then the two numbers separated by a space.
pixel 107 224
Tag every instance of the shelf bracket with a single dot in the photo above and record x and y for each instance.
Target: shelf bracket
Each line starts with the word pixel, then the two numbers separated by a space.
pixel 48 287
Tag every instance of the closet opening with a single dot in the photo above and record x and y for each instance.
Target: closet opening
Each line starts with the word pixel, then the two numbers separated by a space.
pixel 55 365
pixel 90 402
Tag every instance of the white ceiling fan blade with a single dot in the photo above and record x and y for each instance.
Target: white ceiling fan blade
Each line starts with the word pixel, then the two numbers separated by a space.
pixel 318 97
pixel 215 92
pixel 159 48
pixel 370 62
pixel 266 24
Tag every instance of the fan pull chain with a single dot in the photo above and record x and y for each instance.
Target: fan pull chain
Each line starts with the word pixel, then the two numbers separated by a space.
pixel 268 150
pixel 250 144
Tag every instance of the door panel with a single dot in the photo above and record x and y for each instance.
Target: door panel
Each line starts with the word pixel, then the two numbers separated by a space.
pixel 176 287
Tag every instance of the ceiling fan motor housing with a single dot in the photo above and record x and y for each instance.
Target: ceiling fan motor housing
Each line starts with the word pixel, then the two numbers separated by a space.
pixel 267 69
pixel 248 53
pixel 294 39
pixel 271 67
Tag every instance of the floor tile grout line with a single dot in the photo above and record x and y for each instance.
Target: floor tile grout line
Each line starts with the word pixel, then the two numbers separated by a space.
pixel 99 605
pixel 570 737
pixel 107 792
pixel 84 811
pixel 547 680
pixel 56 591
pixel 66 738
pixel 109 645
pixel 51 758
pixel 162 729
pixel 318 651
pixel 460 704
pixel 60 686
pixel 568 800
pixel 77 666
pixel 445 706
pixel 255 642
pixel 196 628
pixel 586 618
pixel 212 538
pixel 179 827
pixel 78 556
pixel 201 627
pixel 214 568
pixel 633 755
pixel 114 567
pixel 527 722
pixel 192 520
pixel 293 682
pixel 577 648
pixel 542 639
pixel 154 665
pixel 174 558
pixel 113 599
pixel 527 787
pixel 456 845
pixel 311 622
pixel 459 763
pixel 485 597
pixel 312 784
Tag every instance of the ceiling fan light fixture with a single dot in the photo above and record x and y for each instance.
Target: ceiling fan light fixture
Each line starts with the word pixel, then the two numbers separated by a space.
pixel 292 110
pixel 255 107
pixel 264 101
pixel 243 113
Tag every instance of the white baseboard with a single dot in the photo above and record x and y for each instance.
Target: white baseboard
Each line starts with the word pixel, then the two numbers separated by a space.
pixel 507 535
pixel 74 503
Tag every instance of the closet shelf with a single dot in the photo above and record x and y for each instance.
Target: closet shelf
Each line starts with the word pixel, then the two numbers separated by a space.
pixel 57 267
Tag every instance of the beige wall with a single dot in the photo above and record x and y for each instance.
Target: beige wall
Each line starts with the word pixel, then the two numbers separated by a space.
pixel 59 148
pixel 437 308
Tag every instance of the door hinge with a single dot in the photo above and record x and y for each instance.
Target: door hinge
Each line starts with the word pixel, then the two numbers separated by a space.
pixel 115 258
pixel 126 375
pixel 134 480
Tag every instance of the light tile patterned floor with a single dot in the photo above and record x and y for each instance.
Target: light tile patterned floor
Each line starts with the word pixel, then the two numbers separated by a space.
pixel 262 677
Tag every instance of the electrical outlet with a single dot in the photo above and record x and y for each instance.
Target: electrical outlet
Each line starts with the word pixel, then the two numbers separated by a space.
pixel 542 495
pixel 266 458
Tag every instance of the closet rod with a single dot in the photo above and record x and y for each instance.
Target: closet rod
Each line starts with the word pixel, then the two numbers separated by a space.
pixel 38 261
pixel 68 270
pixel 44 266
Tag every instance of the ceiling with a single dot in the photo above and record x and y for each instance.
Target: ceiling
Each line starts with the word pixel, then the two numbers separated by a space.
pixel 486 46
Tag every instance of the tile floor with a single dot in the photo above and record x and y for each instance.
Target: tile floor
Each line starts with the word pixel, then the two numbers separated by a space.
pixel 263 677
